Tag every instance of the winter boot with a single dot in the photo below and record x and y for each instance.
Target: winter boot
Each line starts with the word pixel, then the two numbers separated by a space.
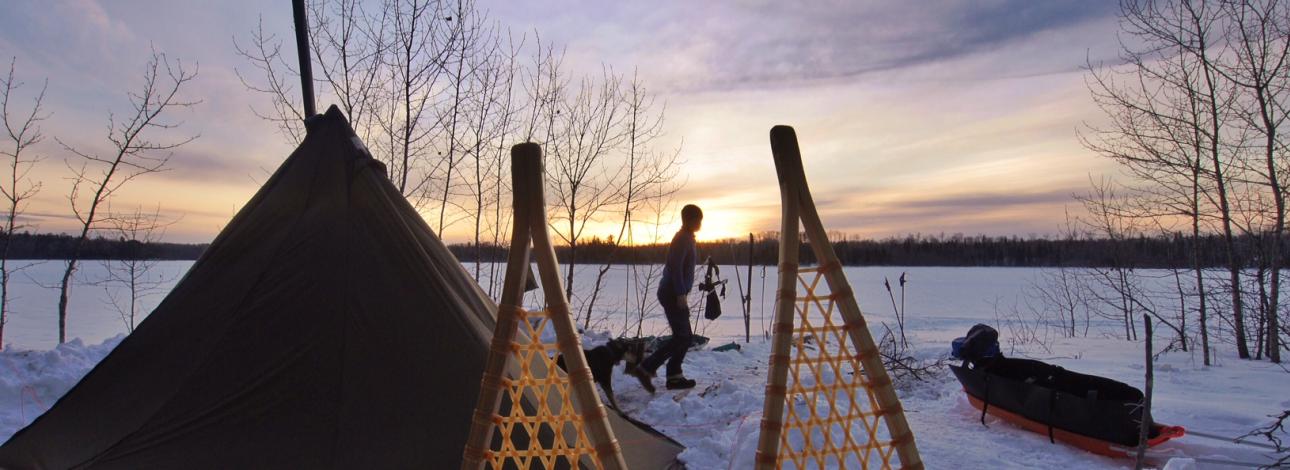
pixel 679 382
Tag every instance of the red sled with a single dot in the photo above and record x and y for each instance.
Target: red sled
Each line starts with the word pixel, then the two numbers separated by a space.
pixel 1093 413
pixel 1160 433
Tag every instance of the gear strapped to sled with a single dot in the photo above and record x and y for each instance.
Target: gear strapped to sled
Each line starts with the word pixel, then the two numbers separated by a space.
pixel 829 399
pixel 1094 413
pixel 543 417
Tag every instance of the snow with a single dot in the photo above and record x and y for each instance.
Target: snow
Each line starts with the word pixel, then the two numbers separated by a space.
pixel 31 381
pixel 719 421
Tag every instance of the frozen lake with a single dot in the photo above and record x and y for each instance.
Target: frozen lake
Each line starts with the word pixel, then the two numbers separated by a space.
pixel 32 321
pixel 935 298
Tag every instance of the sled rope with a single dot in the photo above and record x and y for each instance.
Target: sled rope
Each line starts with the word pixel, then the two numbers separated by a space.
pixel 1229 440
pixel 1204 460
pixel 829 400
pixel 530 412
pixel 1130 452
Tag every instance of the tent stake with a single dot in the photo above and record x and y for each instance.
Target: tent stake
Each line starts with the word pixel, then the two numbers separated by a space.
pixel 302 50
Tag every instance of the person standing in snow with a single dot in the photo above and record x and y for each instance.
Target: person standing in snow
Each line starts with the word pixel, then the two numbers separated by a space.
pixel 673 294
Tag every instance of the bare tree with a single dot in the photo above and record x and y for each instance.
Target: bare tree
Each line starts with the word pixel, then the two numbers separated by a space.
pixel 141 144
pixel 1273 432
pixel 643 279
pixel 348 43
pixel 1198 31
pixel 265 55
pixel 1027 326
pixel 454 118
pixel 403 72
pixel 507 124
pixel 421 32
pixel 493 116
pixel 439 93
pixel 382 66
pixel 587 129
pixel 544 84
pixel 1064 292
pixel 22 130
pixel 1120 291
pixel 1261 70
pixel 1072 293
pixel 131 278
pixel 1170 130
pixel 1108 219
pixel 649 175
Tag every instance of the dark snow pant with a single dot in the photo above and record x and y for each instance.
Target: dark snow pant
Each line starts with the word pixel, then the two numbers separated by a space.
pixel 673 351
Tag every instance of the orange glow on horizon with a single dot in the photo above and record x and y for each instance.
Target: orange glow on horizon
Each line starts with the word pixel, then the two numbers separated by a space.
pixel 718 224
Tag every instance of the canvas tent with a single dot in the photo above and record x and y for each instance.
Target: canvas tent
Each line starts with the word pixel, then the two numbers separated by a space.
pixel 325 327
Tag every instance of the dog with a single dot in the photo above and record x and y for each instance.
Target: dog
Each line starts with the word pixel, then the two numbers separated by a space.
pixel 603 358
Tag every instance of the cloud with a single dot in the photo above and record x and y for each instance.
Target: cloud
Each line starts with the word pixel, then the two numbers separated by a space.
pixel 996 213
pixel 33 219
pixel 983 201
pixel 789 41
pixel 699 46
pixel 969 100
pixel 208 165
pixel 64 38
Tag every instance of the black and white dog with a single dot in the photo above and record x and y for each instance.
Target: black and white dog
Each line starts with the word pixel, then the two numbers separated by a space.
pixel 603 358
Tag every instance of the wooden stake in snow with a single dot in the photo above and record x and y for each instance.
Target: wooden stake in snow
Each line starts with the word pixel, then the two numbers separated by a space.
pixel 748 296
pixel 1146 399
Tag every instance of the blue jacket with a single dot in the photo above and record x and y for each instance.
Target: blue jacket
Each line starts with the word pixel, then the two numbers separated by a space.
pixel 678 273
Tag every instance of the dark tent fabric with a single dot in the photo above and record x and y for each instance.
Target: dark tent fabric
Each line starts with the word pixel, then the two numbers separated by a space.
pixel 325 327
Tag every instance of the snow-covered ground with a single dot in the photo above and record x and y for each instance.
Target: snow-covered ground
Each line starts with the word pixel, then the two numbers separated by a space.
pixel 719 421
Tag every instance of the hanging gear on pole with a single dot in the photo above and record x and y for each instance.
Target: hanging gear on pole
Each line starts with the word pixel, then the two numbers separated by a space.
pixel 711 281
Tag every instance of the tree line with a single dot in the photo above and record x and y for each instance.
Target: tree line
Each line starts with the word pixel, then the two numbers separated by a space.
pixel 57 246
pixel 912 250
pixel 1154 252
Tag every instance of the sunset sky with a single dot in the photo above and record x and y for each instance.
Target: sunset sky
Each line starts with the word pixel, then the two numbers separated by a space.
pixel 946 116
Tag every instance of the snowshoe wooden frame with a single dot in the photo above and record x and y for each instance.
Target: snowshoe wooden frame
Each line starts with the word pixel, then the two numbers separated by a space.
pixel 523 368
pixel 869 393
